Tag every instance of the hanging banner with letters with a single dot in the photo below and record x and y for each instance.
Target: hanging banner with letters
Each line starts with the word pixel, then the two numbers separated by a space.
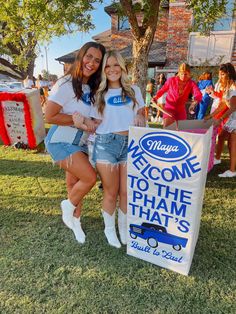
pixel 167 171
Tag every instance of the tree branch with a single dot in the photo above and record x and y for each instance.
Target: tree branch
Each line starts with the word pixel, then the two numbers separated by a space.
pixel 129 11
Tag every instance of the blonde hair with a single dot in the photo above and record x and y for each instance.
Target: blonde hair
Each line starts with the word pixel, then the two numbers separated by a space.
pixel 127 90
pixel 184 67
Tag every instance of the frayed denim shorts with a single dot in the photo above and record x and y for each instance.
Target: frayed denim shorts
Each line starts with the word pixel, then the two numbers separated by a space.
pixel 60 151
pixel 110 148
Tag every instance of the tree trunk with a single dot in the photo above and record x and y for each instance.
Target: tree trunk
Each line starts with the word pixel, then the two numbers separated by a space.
pixel 30 68
pixel 140 65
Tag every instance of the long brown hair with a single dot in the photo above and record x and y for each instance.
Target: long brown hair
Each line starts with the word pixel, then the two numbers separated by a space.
pixel 76 72
pixel 230 72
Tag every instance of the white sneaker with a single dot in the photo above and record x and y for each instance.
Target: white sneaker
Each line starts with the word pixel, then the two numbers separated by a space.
pixel 227 174
pixel 217 161
pixel 78 231
pixel 67 213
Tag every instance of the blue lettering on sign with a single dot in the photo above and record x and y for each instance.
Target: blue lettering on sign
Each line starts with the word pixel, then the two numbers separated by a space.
pixel 118 100
pixel 86 99
pixel 165 146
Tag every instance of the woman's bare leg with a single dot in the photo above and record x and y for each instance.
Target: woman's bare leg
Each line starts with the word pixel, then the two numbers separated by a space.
pixel 233 151
pixel 122 211
pixel 109 175
pixel 82 179
pixel 220 143
pixel 71 180
pixel 80 168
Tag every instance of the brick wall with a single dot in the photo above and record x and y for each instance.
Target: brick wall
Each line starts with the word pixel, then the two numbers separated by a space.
pixel 119 39
pixel 162 26
pixel 178 35
pixel 122 38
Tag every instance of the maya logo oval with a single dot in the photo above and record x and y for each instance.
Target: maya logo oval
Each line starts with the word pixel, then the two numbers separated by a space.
pixel 165 146
pixel 118 100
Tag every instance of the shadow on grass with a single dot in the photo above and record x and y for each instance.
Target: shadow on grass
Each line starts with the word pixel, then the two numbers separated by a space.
pixel 213 256
pixel 30 168
pixel 42 260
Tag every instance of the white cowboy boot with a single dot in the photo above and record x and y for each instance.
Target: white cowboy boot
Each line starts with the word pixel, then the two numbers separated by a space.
pixel 78 231
pixel 67 213
pixel 122 226
pixel 110 230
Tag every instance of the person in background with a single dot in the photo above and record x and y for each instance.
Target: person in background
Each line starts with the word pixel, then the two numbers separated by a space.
pixel 221 95
pixel 71 94
pixel 161 79
pixel 204 81
pixel 149 94
pixel 28 83
pixel 40 86
pixel 178 89
pixel 111 143
pixel 229 131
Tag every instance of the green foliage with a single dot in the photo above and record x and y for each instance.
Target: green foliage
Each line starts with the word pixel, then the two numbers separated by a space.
pixel 44 270
pixel 26 23
pixel 48 76
pixel 206 13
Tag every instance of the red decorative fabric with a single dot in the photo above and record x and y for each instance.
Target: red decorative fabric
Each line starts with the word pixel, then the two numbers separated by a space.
pixel 27 115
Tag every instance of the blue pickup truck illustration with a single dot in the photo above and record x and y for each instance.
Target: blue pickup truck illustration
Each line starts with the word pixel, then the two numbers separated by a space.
pixel 154 234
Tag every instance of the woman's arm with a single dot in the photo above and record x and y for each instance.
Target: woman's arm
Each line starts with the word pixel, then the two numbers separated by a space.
pixel 196 92
pixel 54 116
pixel 232 108
pixel 162 91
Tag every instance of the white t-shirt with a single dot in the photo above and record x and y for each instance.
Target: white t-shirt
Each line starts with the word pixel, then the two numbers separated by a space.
pixel 28 83
pixel 63 94
pixel 118 115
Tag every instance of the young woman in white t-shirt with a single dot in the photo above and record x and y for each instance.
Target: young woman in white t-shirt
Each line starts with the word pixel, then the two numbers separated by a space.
pixel 74 92
pixel 118 105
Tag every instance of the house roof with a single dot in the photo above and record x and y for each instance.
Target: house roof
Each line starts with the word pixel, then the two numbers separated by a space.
pixel 103 38
pixel 157 54
pixel 69 58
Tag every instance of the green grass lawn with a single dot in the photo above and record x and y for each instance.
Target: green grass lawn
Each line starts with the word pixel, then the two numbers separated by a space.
pixel 44 270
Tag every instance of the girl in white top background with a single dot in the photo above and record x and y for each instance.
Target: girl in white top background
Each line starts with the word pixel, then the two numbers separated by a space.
pixel 118 105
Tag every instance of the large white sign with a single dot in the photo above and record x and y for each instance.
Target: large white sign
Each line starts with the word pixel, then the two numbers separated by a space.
pixel 166 182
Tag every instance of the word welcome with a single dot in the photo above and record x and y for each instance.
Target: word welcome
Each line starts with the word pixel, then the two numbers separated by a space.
pixel 168 174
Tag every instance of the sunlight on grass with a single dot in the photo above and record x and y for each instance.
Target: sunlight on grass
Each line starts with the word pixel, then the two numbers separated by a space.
pixel 44 270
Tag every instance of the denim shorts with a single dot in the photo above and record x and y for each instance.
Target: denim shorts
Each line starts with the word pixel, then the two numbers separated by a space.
pixel 110 148
pixel 60 151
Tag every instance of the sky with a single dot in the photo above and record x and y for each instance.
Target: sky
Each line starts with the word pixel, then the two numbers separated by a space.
pixel 60 46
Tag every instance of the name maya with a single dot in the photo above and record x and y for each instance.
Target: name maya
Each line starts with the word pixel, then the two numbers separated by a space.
pixel 157 145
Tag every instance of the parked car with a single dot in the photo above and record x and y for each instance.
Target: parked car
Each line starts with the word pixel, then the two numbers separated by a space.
pixel 4 87
pixel 16 85
pixel 154 234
